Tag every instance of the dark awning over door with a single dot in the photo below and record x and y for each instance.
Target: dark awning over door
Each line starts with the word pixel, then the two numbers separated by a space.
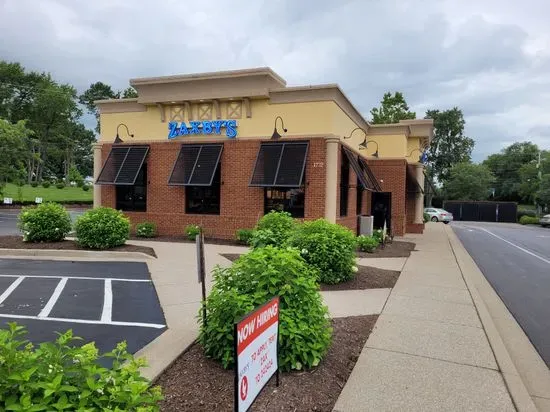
pixel 123 165
pixel 372 181
pixel 412 184
pixel 280 164
pixel 366 179
pixel 196 165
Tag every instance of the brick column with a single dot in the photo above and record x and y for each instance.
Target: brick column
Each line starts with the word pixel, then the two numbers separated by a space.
pixel 419 203
pixel 97 169
pixel 331 179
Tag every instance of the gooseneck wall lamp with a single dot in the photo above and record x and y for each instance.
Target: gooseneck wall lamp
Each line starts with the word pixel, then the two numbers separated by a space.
pixel 117 138
pixel 422 158
pixel 363 144
pixel 276 134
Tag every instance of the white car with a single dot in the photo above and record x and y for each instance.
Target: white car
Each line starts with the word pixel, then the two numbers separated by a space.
pixel 439 215
pixel 545 221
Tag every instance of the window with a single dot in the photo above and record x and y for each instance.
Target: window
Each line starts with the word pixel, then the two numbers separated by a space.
pixel 204 200
pixel 344 185
pixel 285 199
pixel 133 198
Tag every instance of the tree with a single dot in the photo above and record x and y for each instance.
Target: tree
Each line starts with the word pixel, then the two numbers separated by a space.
pixel 13 154
pixel 449 146
pixel 543 194
pixel 468 181
pixel 129 93
pixel 97 91
pixel 392 109
pixel 509 165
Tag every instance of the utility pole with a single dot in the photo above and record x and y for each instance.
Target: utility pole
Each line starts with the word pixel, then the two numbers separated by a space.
pixel 539 173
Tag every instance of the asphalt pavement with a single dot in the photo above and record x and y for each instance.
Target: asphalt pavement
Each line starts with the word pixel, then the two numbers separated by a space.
pixel 515 259
pixel 8 220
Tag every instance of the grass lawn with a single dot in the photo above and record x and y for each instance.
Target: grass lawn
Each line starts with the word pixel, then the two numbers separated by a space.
pixel 527 207
pixel 50 194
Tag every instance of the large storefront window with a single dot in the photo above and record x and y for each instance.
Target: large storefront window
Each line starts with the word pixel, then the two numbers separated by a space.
pixel 204 199
pixel 284 199
pixel 133 198
pixel 344 185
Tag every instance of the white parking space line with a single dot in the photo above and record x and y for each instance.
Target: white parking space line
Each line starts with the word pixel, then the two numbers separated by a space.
pixel 11 288
pixel 76 277
pixel 89 322
pixel 53 299
pixel 107 302
pixel 516 246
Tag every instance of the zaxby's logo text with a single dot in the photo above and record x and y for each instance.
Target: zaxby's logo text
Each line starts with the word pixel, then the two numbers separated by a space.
pixel 176 129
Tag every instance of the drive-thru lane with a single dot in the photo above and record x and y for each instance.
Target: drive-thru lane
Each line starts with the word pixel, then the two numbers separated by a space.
pixel 516 261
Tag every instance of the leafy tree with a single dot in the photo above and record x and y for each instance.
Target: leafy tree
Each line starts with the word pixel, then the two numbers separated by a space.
pixel 12 155
pixel 506 166
pixel 129 93
pixel 97 91
pixel 468 181
pixel 392 109
pixel 449 146
pixel 543 194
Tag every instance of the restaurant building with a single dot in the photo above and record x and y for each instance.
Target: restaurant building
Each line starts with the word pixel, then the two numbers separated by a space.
pixel 222 149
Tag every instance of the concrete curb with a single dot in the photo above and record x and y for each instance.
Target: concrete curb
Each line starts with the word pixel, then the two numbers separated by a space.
pixel 53 253
pixel 473 277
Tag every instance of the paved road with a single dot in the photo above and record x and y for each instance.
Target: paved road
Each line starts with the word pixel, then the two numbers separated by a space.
pixel 8 220
pixel 105 302
pixel 516 261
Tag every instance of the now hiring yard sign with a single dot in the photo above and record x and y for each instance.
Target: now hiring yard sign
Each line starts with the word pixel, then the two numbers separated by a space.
pixel 256 347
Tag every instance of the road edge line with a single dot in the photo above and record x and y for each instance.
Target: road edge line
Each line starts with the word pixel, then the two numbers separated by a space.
pixel 470 273
pixel 53 253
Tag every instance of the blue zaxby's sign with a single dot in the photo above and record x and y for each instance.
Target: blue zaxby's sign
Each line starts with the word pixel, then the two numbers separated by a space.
pixel 205 127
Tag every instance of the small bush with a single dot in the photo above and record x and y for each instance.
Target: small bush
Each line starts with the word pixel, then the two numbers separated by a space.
pixel 304 328
pixel 244 236
pixel 263 238
pixel 34 184
pixel 45 184
pixel 47 222
pixel 102 228
pixel 60 185
pixel 378 234
pixel 426 217
pixel 367 243
pixel 328 247
pixel 80 183
pixel 191 231
pixel 63 375
pixel 525 212
pixel 86 188
pixel 146 229
pixel 279 223
pixel 529 220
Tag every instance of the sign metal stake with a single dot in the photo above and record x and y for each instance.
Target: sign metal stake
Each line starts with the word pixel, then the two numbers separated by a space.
pixel 199 240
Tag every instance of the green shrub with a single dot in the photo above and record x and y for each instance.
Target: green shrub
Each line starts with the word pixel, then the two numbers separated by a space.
pixel 146 229
pixel 529 220
pixel 280 224
pixel 525 212
pixel 102 228
pixel 378 234
pixel 263 238
pixel 34 184
pixel 328 247
pixel 426 217
pixel 244 236
pixel 253 279
pixel 60 185
pixel 86 188
pixel 60 375
pixel 45 184
pixel 367 243
pixel 47 222
pixel 80 183
pixel 191 231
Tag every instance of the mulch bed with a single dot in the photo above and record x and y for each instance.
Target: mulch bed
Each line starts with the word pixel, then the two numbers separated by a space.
pixel 184 239
pixel 367 278
pixel 394 249
pixel 196 383
pixel 16 242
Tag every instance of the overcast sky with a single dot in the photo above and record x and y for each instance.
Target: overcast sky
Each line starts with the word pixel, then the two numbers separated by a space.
pixel 491 58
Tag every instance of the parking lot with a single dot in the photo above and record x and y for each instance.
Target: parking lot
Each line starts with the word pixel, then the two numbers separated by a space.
pixel 105 302
pixel 8 220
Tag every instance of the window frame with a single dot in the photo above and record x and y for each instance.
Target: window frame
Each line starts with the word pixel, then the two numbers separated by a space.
pixel 126 189
pixel 344 184
pixel 202 189
pixel 286 199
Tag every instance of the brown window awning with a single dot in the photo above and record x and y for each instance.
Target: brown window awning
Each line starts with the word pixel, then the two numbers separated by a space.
pixel 412 184
pixel 280 164
pixel 122 165
pixel 362 170
pixel 196 165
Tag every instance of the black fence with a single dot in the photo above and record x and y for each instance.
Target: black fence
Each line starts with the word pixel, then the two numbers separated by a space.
pixel 482 211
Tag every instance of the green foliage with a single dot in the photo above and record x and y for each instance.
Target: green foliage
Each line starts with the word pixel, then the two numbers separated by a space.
pixel 449 146
pixel 543 194
pixel 244 236
pixel 279 223
pixel 102 228
pixel 529 220
pixel 263 238
pixel 328 247
pixel 468 181
pixel 27 194
pixel 146 229
pixel 12 153
pixel 86 187
pixel 378 234
pixel 45 184
pixel 367 243
pixel 304 328
pixel 47 222
pixel 393 108
pixel 60 185
pixel 525 212
pixel 426 217
pixel 60 376
pixel 191 231
pixel 75 176
pixel 34 184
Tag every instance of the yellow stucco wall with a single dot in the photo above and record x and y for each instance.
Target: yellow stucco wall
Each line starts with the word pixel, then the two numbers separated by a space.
pixel 301 119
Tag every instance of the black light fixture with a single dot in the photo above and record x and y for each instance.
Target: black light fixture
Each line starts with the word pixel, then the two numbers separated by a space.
pixel 117 138
pixel 276 134
pixel 357 128
pixel 363 145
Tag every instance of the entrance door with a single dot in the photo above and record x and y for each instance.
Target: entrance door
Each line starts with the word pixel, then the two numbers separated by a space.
pixel 381 209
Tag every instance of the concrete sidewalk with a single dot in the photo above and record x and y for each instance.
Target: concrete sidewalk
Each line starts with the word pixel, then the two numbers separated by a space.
pixel 433 348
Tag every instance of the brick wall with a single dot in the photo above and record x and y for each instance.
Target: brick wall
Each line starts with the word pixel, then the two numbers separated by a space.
pixel 241 205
